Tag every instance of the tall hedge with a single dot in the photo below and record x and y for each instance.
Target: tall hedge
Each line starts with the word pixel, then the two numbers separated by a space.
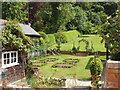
pixel 51 39
pixel 70 35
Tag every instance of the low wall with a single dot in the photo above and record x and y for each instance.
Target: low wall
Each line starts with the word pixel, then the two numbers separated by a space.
pixel 82 53
pixel 113 74
pixel 14 73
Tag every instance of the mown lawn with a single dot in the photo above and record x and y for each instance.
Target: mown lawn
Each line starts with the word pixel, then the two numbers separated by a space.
pixel 79 69
pixel 96 40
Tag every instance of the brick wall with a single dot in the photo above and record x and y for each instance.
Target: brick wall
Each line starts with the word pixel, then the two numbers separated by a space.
pixel 15 73
pixel 113 74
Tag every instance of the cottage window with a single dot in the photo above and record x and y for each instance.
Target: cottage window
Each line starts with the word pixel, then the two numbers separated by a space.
pixel 9 59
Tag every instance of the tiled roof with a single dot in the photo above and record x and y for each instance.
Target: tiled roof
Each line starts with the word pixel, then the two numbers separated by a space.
pixel 26 28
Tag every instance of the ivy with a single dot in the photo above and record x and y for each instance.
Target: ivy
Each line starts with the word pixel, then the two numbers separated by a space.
pixel 14 38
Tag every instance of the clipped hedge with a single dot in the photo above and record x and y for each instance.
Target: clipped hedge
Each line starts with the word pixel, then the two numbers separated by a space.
pixel 60 37
pixel 51 39
pixel 70 35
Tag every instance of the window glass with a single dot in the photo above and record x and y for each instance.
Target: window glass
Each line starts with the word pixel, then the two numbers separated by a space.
pixel 11 54
pixel 4 61
pixel 8 61
pixel 4 55
pixel 9 58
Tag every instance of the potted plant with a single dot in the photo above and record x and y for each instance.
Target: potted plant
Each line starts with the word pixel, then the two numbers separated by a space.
pixel 95 68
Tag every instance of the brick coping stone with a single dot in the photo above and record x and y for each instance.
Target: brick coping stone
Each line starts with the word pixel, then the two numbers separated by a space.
pixel 112 61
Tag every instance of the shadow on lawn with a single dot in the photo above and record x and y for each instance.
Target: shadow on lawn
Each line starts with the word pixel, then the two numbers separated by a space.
pixel 84 36
pixel 88 64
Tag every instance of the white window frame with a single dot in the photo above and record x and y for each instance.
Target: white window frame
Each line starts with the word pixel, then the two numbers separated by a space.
pixel 10 64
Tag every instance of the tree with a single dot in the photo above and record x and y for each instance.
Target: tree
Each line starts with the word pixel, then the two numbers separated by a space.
pixel 81 21
pixel 110 32
pixel 53 17
pixel 15 10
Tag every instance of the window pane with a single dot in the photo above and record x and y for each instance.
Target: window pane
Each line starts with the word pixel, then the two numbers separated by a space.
pixel 11 54
pixel 8 55
pixel 15 54
pixel 8 61
pixel 12 60
pixel 4 55
pixel 5 61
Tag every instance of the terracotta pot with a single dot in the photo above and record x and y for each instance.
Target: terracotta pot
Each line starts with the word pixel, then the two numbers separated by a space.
pixel 94 76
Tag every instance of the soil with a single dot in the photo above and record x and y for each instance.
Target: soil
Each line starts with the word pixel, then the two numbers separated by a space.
pixel 38 63
pixel 64 64
pixel 72 60
pixel 50 59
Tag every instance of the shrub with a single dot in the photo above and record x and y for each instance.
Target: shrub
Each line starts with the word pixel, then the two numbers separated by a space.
pixel 58 46
pixel 44 42
pixel 70 35
pixel 51 39
pixel 43 35
pixel 60 37
pixel 115 56
pixel 74 49
pixel 96 66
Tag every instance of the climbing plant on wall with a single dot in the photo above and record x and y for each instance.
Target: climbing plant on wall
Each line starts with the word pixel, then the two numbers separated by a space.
pixel 14 38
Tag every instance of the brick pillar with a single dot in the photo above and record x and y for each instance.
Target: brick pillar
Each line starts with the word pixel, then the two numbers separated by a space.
pixel 113 74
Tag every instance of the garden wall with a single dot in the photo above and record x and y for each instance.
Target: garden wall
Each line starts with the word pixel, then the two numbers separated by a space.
pixel 15 73
pixel 82 53
pixel 113 74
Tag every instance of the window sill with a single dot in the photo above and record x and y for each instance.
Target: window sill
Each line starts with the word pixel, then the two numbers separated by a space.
pixel 10 65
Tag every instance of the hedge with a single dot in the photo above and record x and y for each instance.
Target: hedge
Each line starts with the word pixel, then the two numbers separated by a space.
pixel 70 35
pixel 51 38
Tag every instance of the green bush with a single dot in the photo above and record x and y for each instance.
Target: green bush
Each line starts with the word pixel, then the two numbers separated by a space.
pixel 70 35
pixel 115 56
pixel 96 66
pixel 60 37
pixel 44 41
pixel 51 39
pixel 43 35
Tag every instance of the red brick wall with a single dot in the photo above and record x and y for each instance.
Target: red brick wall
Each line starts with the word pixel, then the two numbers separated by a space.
pixel 113 74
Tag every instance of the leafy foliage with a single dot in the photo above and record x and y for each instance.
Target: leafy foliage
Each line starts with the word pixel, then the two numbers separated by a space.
pixel 96 66
pixel 110 32
pixel 14 38
pixel 81 21
pixel 53 17
pixel 15 10
pixel 60 37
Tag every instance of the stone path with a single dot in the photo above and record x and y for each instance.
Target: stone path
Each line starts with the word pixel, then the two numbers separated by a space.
pixel 74 83
pixel 69 83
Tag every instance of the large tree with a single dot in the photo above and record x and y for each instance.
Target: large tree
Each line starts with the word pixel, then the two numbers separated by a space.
pixel 53 17
pixel 15 10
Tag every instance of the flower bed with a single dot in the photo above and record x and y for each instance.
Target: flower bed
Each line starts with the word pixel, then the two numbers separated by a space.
pixel 71 60
pixel 62 65
pixel 38 64
pixel 51 59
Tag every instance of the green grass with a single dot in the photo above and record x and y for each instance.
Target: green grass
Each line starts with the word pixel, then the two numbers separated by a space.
pixel 72 37
pixel 96 40
pixel 79 69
